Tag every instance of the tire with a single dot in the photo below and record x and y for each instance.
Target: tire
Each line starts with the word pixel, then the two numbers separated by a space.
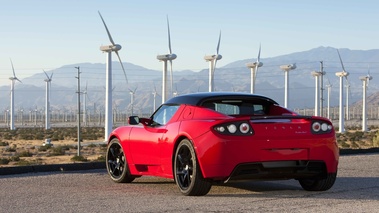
pixel 187 173
pixel 318 184
pixel 117 165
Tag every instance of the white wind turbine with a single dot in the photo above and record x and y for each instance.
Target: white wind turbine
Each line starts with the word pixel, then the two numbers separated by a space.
pixel 13 80
pixel 212 59
pixel 341 108
pixel 47 101
pixel 154 100
pixel 365 80
pixel 167 57
pixel 113 47
pixel 254 69
pixel 286 69
pixel 132 92
pixel 85 96
pixel 329 86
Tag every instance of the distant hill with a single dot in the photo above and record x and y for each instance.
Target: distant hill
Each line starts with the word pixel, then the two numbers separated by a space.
pixel 231 77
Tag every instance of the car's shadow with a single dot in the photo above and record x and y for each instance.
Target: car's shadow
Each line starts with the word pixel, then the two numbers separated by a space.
pixel 346 188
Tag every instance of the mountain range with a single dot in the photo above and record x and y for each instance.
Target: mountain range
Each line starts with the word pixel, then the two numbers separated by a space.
pixel 234 76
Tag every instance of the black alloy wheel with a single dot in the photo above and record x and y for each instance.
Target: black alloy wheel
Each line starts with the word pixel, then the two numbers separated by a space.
pixel 187 172
pixel 117 165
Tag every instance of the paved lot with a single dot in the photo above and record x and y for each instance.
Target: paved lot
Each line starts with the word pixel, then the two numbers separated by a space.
pixel 356 190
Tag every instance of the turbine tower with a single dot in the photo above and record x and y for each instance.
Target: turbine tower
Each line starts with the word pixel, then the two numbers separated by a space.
pixel 212 59
pixel 341 111
pixel 167 57
pixel 365 80
pixel 329 86
pixel 317 88
pixel 113 47
pixel 13 80
pixel 47 101
pixel 286 69
pixel 254 69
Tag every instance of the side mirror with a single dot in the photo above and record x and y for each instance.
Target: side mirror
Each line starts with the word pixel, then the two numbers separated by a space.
pixel 133 120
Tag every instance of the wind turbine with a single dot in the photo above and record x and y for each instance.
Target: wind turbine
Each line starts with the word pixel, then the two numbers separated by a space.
pixel 167 57
pixel 113 47
pixel 132 92
pixel 13 79
pixel 341 111
pixel 365 80
pixel 212 59
pixel 154 100
pixel 47 101
pixel 85 94
pixel 254 69
pixel 286 69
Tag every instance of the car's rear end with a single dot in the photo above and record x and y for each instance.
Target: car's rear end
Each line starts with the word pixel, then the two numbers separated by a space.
pixel 271 147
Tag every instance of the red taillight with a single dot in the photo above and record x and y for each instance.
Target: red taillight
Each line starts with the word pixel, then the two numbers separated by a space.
pixel 320 127
pixel 244 128
pixel 234 128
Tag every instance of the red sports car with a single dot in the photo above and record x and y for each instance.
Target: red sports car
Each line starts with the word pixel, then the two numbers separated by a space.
pixel 201 138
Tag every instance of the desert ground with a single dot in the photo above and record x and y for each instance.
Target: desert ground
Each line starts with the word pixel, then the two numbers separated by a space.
pixel 33 152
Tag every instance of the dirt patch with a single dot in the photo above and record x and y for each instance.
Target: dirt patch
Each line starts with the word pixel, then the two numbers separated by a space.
pixel 37 152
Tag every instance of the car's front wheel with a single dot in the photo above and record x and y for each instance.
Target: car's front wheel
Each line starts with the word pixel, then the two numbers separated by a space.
pixel 319 184
pixel 117 165
pixel 187 172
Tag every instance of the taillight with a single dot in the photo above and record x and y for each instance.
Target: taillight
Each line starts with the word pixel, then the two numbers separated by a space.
pixel 235 128
pixel 320 127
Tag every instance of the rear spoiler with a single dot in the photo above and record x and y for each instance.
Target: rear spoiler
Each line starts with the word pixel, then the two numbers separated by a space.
pixel 281 117
pixel 277 118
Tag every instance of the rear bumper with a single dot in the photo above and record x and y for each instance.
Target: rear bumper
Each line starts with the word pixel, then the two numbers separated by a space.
pixel 251 158
pixel 279 170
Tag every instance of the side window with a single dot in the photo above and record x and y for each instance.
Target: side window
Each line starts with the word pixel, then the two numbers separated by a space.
pixel 164 114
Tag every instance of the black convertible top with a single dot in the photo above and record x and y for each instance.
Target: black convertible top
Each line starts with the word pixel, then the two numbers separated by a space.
pixel 197 99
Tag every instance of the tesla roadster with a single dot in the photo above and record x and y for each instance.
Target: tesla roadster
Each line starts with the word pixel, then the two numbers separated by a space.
pixel 204 138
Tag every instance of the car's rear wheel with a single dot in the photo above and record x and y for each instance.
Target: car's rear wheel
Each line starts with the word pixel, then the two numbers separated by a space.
pixel 187 172
pixel 117 165
pixel 319 184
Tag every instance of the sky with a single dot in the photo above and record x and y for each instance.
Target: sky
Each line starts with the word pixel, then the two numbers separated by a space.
pixel 43 35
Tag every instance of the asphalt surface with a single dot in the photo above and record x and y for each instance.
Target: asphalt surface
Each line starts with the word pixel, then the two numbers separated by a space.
pixel 356 190
pixel 101 165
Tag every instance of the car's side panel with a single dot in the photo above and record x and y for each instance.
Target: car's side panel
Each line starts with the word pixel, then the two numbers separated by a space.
pixel 143 144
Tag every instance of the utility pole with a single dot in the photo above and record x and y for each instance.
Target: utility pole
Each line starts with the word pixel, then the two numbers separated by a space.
pixel 78 77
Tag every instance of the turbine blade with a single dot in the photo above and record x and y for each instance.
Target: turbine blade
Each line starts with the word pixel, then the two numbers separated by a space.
pixel 14 74
pixel 343 68
pixel 122 66
pixel 106 28
pixel 46 74
pixel 259 54
pixel 51 76
pixel 169 37
pixel 218 45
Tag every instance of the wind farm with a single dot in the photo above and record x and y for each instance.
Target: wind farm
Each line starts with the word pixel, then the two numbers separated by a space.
pixel 109 100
